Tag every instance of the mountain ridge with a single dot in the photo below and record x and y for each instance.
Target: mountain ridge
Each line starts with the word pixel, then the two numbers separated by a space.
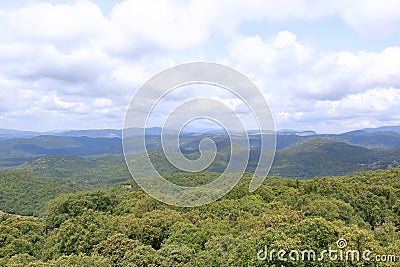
pixel 110 132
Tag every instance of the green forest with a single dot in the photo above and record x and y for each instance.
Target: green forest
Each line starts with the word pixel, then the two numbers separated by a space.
pixel 123 226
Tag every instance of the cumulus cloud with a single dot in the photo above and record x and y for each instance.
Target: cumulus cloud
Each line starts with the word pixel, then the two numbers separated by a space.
pixel 307 86
pixel 379 103
pixel 160 24
pixel 372 18
pixel 60 63
pixel 61 24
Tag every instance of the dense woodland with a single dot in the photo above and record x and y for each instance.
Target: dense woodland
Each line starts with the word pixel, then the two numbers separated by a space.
pixel 123 226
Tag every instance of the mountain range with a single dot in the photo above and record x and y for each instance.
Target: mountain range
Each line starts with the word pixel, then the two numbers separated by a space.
pixel 96 133
pixel 302 154
pixel 35 167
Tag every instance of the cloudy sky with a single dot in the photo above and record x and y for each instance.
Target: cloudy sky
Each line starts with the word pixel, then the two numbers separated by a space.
pixel 330 66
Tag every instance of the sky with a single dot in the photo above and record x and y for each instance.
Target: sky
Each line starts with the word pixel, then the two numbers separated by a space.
pixel 328 66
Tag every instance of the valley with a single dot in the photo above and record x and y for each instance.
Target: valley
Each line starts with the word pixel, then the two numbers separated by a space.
pixel 71 201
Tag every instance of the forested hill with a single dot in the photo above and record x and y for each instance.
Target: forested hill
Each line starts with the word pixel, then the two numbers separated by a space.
pixel 16 151
pixel 123 226
pixel 26 193
pixel 315 157
pixel 320 157
pixel 26 189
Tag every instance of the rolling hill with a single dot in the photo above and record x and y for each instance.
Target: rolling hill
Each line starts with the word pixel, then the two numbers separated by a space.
pixel 320 157
pixel 31 145
pixel 19 150
pixel 26 193
pixel 316 157
pixel 98 172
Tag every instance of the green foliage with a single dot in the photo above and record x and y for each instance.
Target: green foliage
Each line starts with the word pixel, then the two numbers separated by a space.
pixel 119 248
pixel 20 235
pixel 72 205
pixel 51 175
pixel 25 193
pixel 320 157
pixel 174 255
pixel 151 229
pixel 81 260
pixel 98 172
pixel 123 226
pixel 78 235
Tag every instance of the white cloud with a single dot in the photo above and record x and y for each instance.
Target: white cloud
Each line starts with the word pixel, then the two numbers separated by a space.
pixel 367 17
pixel 373 18
pixel 63 62
pixel 160 24
pixel 65 25
pixel 102 102
pixel 380 103
pixel 306 86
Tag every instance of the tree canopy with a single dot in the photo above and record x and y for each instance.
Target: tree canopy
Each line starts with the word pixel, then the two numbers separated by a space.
pixel 123 226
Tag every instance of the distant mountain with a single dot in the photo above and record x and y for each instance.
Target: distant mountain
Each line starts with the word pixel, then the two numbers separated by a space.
pixel 373 139
pixel 110 133
pixel 298 133
pixel 395 129
pixel 316 157
pixel 310 158
pixel 8 134
pixel 321 157
pixel 19 150
pixel 355 132
pixel 92 133
pixel 290 140
pixel 384 129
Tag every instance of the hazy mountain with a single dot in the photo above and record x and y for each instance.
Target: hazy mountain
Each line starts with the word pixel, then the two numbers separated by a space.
pixel 395 129
pixel 373 139
pixel 384 129
pixel 19 150
pixel 8 134
pixel 92 133
pixel 298 133
pixel 16 151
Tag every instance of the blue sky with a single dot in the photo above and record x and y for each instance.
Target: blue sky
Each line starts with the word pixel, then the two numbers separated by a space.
pixel 328 66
